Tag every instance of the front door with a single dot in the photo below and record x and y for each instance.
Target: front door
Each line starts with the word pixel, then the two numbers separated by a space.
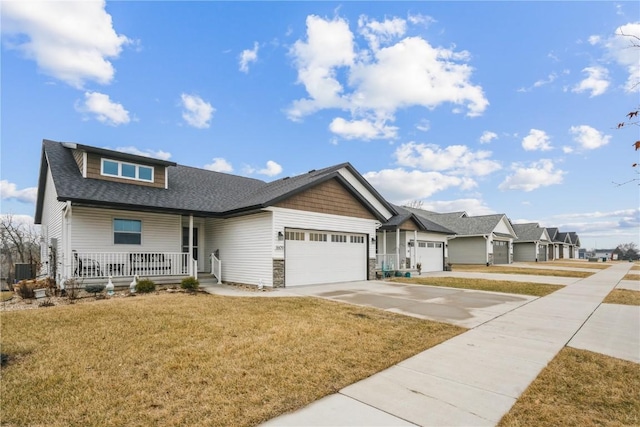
pixel 185 242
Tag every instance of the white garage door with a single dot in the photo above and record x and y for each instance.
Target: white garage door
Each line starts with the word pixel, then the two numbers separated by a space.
pixel 313 257
pixel 430 255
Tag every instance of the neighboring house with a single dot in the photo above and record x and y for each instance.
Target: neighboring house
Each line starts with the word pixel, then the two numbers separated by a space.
pixel 574 249
pixel 486 239
pixel 532 243
pixel 408 239
pixel 604 253
pixel 564 245
pixel 107 213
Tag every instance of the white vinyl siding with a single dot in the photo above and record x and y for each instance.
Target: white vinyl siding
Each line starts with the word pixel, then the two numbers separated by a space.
pixel 245 247
pixel 52 211
pixel 289 218
pixel 468 250
pixel 93 231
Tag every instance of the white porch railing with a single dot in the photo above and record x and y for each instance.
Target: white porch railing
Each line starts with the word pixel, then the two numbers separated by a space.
pixel 119 264
pixel 216 268
pixel 387 261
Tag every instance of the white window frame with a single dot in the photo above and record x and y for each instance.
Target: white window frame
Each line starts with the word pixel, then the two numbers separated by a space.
pixel 119 174
pixel 113 230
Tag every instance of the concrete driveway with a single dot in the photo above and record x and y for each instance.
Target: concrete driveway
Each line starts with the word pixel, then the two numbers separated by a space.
pixel 467 308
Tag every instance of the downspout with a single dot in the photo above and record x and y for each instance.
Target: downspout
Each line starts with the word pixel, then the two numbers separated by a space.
pixel 67 260
pixel 190 270
pixel 398 248
pixel 415 248
pixel 486 238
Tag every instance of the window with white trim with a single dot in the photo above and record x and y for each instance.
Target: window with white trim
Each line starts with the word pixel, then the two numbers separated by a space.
pixel 422 244
pixel 357 239
pixel 119 169
pixel 127 231
pixel 294 235
pixel 339 238
pixel 318 237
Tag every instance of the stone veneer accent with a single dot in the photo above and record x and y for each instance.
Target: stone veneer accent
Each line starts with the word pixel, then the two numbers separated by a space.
pixel 278 273
pixel 372 269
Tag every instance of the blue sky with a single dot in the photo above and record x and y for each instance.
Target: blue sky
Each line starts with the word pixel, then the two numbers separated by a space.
pixel 488 107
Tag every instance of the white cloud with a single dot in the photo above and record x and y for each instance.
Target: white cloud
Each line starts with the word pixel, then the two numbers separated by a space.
pixel 589 138
pixel 374 79
pixel 362 129
pixel 536 140
pixel 402 186
pixel 8 190
pixel 104 110
pixel 248 56
pixel 197 112
pixel 419 19
pixel 423 125
pixel 470 206
pixel 597 81
pixel 620 48
pixel 538 174
pixel 272 169
pixel 329 45
pixel 458 159
pixel 72 41
pixel 219 165
pixel 487 137
pixel 159 154
pixel 377 33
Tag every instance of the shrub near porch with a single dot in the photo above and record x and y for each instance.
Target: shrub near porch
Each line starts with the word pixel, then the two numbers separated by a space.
pixel 182 359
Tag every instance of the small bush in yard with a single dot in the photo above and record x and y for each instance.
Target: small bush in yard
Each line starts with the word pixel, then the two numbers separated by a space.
pixel 94 288
pixel 190 283
pixel 145 286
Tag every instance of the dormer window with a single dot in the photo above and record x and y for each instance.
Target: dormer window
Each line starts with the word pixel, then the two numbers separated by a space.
pixel 126 170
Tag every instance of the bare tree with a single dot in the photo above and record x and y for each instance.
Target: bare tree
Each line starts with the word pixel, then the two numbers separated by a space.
pixel 19 243
pixel 416 204
pixel 632 118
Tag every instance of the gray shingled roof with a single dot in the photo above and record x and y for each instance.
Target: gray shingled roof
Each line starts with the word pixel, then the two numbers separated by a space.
pixel 461 224
pixel 529 232
pixel 190 190
pixel 425 224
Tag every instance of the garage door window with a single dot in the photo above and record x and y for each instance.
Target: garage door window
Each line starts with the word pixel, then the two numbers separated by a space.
pixel 357 239
pixel 422 245
pixel 318 237
pixel 339 238
pixel 294 235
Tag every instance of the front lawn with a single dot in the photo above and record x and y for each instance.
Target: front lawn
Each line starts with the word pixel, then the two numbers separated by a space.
pixel 506 269
pixel 623 296
pixel 521 288
pixel 580 388
pixel 177 359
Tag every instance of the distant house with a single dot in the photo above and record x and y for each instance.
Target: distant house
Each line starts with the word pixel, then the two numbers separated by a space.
pixel 408 239
pixel 532 243
pixel 485 239
pixel 106 213
pixel 564 245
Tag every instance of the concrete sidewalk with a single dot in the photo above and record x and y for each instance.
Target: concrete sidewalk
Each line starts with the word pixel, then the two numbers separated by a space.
pixel 471 379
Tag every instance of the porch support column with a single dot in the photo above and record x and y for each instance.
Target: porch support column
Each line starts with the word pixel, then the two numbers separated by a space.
pixel 191 272
pixel 384 249
pixel 67 247
pixel 398 248
pixel 415 248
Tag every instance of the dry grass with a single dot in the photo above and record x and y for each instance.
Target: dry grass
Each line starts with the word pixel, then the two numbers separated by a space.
pixel 577 264
pixel 6 295
pixel 176 359
pixel 632 276
pixel 520 270
pixel 623 296
pixel 521 288
pixel 580 388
